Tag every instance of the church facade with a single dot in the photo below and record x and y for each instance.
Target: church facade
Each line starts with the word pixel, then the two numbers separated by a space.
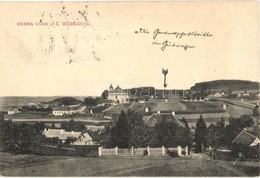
pixel 118 94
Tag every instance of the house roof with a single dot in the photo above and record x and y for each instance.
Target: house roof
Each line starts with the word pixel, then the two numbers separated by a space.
pixel 62 134
pixel 158 118
pixel 13 109
pixel 168 106
pixel 106 101
pixel 244 138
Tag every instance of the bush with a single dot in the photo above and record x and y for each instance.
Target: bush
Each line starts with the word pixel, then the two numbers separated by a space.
pixel 172 153
pixel 145 153
pixel 183 152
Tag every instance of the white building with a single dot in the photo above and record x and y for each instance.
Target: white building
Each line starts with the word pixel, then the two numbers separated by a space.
pixel 118 95
pixel 13 111
pixel 81 139
pixel 68 110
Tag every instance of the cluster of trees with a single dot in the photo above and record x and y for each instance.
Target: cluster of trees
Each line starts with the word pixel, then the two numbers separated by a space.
pixel 91 102
pixel 66 101
pixel 226 85
pixel 73 126
pixel 219 135
pixel 19 138
pixel 130 130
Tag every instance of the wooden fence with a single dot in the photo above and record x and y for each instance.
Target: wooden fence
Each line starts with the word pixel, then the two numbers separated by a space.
pixel 141 151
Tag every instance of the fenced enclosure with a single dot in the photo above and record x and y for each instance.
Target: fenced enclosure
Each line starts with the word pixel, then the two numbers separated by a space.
pixel 142 151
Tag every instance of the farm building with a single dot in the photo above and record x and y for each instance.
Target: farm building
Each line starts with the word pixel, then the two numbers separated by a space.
pixel 82 139
pixel 118 94
pixel 68 110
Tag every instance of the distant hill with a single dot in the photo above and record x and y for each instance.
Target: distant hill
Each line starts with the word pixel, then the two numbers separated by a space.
pixel 67 101
pixel 234 85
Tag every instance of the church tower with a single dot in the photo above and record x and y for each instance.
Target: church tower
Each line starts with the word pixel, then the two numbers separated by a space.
pixel 111 88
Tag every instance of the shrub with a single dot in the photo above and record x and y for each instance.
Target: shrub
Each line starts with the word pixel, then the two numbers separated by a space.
pixel 183 152
pixel 145 153
pixel 172 153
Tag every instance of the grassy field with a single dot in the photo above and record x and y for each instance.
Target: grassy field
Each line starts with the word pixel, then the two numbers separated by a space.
pixel 234 110
pixel 31 165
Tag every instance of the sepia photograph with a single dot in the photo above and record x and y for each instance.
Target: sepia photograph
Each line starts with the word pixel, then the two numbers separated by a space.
pixel 123 89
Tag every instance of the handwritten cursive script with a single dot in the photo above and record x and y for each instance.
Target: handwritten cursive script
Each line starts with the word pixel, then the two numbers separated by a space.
pixel 167 43
pixel 181 34
pixel 159 35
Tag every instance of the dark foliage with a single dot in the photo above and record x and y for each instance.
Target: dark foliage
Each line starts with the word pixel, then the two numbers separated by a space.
pixel 200 134
pixel 90 102
pixel 130 130
pixel 73 126
pixel 172 153
pixel 66 101
pixel 226 85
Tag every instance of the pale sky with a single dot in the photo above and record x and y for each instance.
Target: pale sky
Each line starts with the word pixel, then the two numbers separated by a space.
pixel 77 60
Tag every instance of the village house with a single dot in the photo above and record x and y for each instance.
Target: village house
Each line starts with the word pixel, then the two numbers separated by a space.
pixel 68 110
pixel 247 139
pixel 13 111
pixel 217 95
pixel 81 139
pixel 118 94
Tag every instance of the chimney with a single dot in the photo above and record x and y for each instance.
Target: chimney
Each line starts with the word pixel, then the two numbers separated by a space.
pixel 224 106
pixel 173 113
pixel 146 109
pixel 45 130
pixel 72 132
pixel 158 112
pixel 61 131
pixel 166 100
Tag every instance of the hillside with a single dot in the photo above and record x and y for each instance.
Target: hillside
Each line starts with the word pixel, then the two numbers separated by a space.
pixel 233 85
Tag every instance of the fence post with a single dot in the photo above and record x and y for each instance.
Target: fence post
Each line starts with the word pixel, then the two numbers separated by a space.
pixel 132 150
pixel 186 151
pixel 148 151
pixel 179 150
pixel 163 150
pixel 99 151
pixel 116 150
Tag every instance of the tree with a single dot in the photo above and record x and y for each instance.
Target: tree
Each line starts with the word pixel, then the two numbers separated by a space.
pixel 184 137
pixel 90 102
pixel 121 133
pixel 18 138
pixel 73 126
pixel 166 134
pixel 70 140
pixel 104 94
pixel 200 134
pixel 235 126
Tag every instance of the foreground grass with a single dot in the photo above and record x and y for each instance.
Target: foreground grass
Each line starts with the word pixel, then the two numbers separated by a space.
pixel 32 165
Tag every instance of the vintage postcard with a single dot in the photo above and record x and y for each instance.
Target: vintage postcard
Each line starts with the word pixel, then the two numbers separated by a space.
pixel 129 89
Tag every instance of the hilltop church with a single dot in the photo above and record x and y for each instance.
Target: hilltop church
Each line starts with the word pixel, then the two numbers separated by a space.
pixel 118 94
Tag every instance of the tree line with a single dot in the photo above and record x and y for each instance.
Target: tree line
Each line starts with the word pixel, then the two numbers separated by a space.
pixel 130 130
